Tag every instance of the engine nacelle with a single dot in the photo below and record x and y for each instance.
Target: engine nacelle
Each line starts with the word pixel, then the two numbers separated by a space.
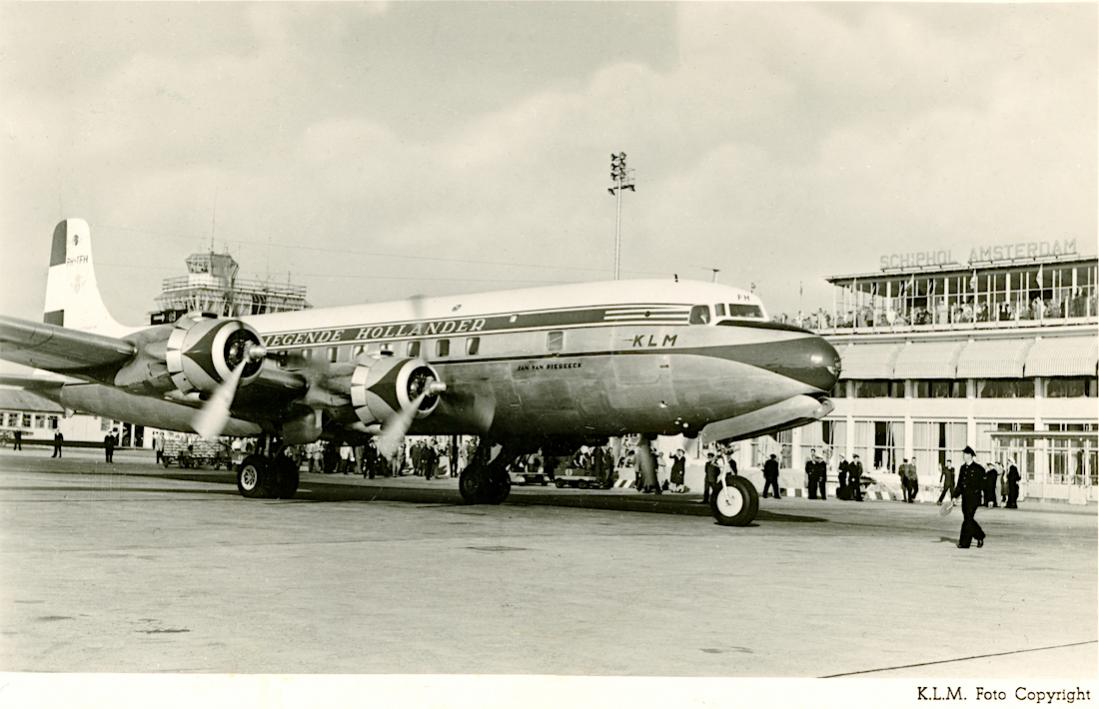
pixel 381 387
pixel 202 352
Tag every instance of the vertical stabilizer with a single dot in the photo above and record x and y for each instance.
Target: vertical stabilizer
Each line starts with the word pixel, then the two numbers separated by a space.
pixel 72 294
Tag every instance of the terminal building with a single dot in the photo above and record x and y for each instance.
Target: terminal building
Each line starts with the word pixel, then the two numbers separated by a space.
pixel 999 353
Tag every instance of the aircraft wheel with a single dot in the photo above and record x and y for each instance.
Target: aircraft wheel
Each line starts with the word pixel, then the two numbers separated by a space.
pixel 286 477
pixel 499 487
pixel 471 483
pixel 253 477
pixel 735 504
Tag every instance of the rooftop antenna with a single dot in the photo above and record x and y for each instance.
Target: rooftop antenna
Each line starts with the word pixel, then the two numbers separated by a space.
pixel 716 271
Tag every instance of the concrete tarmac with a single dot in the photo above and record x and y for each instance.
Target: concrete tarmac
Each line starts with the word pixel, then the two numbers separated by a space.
pixel 135 568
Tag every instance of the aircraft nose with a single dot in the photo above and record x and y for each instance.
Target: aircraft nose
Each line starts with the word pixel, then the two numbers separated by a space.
pixel 814 362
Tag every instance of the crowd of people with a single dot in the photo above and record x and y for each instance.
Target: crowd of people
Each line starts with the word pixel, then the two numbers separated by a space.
pixel 938 312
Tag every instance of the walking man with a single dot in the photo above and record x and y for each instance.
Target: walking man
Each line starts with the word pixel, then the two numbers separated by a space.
pixel 58 441
pixel 971 483
pixel 770 476
pixel 158 446
pixel 946 479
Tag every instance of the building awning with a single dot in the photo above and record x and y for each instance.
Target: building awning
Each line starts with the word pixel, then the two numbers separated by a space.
pixel 1063 357
pixel 868 361
pixel 988 359
pixel 928 360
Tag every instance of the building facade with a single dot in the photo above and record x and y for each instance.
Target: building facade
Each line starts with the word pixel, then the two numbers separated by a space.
pixel 1000 355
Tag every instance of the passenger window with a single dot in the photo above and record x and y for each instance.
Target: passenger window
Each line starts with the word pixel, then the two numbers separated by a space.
pixel 555 341
pixel 333 353
pixel 719 310
pixel 442 348
pixel 473 345
pixel 700 315
pixel 414 349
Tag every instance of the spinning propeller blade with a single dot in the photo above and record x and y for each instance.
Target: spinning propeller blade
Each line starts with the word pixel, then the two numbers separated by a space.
pixel 211 419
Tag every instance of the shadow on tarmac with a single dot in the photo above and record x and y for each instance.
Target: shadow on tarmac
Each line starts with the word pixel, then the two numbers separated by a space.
pixel 350 489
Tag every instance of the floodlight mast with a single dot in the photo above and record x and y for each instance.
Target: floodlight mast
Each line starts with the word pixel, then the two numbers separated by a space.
pixel 623 180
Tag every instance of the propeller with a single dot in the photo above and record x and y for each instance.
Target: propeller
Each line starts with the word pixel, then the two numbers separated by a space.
pixel 210 421
pixel 393 432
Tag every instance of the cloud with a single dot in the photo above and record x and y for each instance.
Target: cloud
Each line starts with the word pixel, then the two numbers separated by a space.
pixel 782 144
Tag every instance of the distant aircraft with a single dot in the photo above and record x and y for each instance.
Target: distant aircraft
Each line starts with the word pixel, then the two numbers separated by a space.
pixel 550 368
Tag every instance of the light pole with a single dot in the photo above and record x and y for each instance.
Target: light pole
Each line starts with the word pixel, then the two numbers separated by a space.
pixel 623 180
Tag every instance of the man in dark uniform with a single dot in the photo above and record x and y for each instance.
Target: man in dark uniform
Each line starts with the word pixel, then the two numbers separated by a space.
pixel 855 471
pixel 971 484
pixel 1013 479
pixel 841 491
pixel 811 474
pixel 108 446
pixel 822 476
pixel 58 441
pixel 770 476
pixel 946 478
pixel 712 473
pixel 18 441
pixel 991 476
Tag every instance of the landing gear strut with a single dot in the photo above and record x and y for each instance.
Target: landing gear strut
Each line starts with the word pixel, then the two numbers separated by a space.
pixel 268 476
pixel 485 480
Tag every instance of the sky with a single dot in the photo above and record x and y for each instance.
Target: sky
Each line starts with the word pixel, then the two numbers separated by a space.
pixel 382 150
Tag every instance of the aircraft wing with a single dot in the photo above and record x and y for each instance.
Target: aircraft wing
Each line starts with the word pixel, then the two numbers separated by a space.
pixel 60 349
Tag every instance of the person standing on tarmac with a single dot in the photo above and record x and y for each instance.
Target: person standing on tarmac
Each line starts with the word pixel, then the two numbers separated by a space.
pixel 108 447
pixel 58 442
pixel 946 478
pixel 855 472
pixel 18 445
pixel 991 493
pixel 1013 479
pixel 971 484
pixel 811 474
pixel 822 476
pixel 710 480
pixel 770 476
pixel 842 471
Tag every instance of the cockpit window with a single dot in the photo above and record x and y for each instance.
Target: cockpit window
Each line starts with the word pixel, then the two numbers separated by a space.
pixel 744 310
pixel 700 315
pixel 719 310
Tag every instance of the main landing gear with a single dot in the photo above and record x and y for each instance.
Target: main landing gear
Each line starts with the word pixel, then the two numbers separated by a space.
pixel 485 481
pixel 268 476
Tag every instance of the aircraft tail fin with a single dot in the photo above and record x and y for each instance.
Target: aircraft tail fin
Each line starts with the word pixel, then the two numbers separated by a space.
pixel 72 294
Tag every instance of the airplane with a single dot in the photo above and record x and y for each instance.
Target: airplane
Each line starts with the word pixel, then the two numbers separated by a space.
pixel 546 368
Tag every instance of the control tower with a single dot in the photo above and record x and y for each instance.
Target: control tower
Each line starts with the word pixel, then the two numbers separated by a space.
pixel 212 286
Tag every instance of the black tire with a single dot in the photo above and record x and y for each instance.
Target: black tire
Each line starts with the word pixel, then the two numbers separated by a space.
pixel 286 477
pixel 254 477
pixel 559 483
pixel 470 482
pixel 479 485
pixel 583 484
pixel 736 503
